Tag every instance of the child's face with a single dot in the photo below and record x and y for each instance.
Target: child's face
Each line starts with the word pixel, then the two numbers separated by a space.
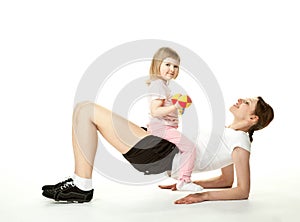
pixel 169 69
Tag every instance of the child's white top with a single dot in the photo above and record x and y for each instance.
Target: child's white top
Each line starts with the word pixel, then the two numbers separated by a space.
pixel 209 158
pixel 159 89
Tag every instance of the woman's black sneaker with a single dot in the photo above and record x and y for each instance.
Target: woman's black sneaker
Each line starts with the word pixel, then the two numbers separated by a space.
pixel 67 191
pixel 49 187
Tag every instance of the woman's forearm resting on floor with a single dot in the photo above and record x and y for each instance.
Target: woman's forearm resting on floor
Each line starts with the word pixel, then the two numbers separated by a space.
pixel 226 194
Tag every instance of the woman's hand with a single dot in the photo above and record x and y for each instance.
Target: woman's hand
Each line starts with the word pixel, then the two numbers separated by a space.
pixel 192 198
pixel 171 187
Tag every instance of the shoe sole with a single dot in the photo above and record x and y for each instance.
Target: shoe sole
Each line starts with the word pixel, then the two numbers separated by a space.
pixel 72 201
pixel 67 201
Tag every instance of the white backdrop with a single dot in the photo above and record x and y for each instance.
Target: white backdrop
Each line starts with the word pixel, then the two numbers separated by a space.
pixel 252 47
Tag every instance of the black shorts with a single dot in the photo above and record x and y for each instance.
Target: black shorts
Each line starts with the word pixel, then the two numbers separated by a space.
pixel 152 155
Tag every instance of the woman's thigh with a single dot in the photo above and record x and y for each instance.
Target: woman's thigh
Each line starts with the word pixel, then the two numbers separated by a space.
pixel 118 131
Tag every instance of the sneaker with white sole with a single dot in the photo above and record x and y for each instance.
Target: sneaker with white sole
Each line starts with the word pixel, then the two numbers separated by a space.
pixel 68 191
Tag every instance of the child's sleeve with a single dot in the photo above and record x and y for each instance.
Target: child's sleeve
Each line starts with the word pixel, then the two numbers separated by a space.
pixel 157 91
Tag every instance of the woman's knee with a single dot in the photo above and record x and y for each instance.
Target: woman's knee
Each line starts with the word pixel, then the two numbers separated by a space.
pixel 80 104
pixel 81 108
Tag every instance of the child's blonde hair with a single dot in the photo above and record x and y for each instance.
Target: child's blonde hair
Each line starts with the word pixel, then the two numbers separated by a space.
pixel 158 58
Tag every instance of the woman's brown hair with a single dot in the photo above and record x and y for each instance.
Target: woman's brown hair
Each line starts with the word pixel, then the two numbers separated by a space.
pixel 265 115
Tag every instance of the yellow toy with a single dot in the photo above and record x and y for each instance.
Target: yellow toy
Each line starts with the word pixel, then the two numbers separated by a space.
pixel 181 102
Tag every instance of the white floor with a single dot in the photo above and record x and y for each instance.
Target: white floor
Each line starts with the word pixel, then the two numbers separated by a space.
pixel 270 200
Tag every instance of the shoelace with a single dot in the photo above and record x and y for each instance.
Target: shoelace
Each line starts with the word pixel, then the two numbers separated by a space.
pixel 67 185
pixel 69 179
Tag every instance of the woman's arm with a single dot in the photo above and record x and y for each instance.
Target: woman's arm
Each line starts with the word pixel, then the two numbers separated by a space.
pixel 241 191
pixel 225 180
pixel 157 109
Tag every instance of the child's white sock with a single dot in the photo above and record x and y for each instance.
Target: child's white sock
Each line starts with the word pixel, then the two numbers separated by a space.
pixel 184 186
pixel 82 183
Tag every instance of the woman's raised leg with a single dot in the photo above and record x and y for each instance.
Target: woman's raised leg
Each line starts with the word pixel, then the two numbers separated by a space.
pixel 88 118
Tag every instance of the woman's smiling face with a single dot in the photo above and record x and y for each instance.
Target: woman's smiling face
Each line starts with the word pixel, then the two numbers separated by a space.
pixel 244 108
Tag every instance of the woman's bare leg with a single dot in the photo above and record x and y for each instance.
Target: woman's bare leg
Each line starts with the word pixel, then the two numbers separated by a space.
pixel 88 118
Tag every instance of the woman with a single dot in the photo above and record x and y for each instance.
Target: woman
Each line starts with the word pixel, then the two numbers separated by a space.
pixel 249 115
pixel 129 139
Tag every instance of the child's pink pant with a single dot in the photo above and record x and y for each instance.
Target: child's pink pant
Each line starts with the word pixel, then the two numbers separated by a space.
pixel 185 146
